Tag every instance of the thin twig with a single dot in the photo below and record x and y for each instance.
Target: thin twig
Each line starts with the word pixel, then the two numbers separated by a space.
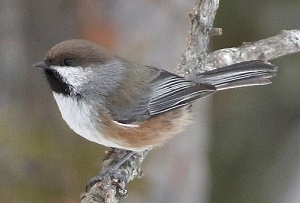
pixel 287 42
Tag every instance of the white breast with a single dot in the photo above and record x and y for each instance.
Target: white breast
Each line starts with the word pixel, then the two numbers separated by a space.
pixel 78 115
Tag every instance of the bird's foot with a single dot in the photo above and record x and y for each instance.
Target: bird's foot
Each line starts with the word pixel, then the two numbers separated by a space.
pixel 110 173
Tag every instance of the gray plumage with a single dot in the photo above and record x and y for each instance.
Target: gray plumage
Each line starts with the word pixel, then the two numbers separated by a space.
pixel 167 91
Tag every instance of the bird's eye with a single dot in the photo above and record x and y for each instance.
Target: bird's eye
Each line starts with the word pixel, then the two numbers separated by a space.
pixel 68 62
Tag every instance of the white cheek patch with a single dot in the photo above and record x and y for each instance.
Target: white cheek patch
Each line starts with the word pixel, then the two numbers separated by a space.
pixel 75 76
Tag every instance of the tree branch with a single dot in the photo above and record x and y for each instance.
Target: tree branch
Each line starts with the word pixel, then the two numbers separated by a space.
pixel 195 59
pixel 287 42
pixel 112 189
pixel 201 30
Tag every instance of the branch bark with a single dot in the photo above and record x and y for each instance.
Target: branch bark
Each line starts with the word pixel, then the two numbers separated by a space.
pixel 201 30
pixel 287 42
pixel 195 59
pixel 112 189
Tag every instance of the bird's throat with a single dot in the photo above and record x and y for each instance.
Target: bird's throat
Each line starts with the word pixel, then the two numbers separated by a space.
pixel 57 83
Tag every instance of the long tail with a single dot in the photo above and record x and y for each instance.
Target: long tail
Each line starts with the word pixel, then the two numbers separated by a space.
pixel 248 73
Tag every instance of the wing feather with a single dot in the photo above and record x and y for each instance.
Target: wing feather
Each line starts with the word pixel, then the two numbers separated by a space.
pixel 164 92
pixel 161 91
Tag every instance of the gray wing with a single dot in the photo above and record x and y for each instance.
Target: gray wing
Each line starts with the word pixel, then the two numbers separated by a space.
pixel 164 92
pixel 171 91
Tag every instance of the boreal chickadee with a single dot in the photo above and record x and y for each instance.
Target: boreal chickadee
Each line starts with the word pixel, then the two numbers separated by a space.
pixel 118 103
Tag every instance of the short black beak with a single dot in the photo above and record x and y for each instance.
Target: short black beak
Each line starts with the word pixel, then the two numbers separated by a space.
pixel 41 65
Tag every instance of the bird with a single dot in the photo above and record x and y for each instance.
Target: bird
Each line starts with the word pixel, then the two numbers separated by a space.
pixel 118 103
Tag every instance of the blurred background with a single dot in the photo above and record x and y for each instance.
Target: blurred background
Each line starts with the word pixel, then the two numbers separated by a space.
pixel 243 147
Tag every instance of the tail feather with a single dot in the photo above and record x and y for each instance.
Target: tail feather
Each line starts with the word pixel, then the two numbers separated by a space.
pixel 248 73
